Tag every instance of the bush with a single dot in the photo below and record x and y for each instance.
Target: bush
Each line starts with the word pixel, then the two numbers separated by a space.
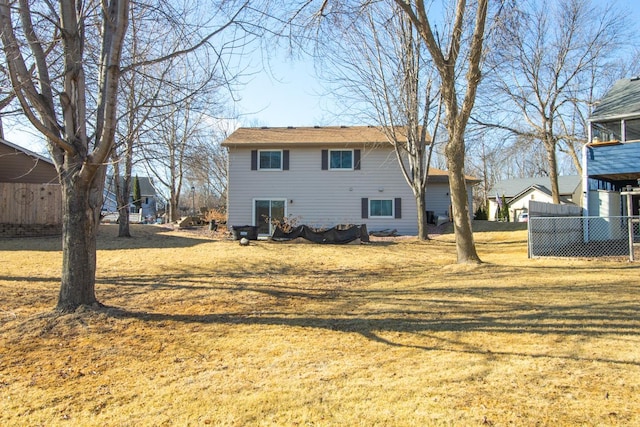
pixel 481 213
pixel 216 215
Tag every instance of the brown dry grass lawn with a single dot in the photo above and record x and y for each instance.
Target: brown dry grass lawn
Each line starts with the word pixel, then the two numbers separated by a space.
pixel 202 331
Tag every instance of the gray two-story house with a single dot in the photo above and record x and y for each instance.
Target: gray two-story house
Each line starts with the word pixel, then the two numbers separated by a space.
pixel 322 177
pixel 611 158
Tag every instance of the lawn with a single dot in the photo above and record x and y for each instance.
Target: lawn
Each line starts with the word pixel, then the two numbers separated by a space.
pixel 201 331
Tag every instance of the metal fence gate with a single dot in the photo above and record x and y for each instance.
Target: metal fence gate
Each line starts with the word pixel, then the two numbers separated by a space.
pixel 583 236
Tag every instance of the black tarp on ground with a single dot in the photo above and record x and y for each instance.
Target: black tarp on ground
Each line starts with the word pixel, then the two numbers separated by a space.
pixel 333 235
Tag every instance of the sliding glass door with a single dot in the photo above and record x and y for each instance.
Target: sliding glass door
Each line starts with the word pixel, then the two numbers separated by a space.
pixel 265 211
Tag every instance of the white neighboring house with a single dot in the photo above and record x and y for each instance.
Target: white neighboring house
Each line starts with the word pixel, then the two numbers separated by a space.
pixel 147 194
pixel 518 193
pixel 325 176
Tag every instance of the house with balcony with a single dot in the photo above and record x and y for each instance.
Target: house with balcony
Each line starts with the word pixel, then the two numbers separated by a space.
pixel 323 177
pixel 611 158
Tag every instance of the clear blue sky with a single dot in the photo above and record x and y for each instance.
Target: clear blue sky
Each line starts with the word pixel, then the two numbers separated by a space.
pixel 295 99
pixel 289 96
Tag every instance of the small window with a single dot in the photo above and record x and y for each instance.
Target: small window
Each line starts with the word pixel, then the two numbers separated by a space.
pixel 632 130
pixel 381 208
pixel 606 131
pixel 341 159
pixel 270 160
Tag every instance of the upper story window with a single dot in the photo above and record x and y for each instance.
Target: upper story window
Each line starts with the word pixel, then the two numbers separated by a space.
pixel 341 159
pixel 607 131
pixel 632 130
pixel 270 159
pixel 626 130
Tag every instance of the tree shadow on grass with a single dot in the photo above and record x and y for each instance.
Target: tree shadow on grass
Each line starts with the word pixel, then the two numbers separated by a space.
pixel 143 237
pixel 388 330
pixel 419 318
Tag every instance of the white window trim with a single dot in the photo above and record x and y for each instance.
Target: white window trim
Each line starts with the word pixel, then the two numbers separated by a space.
pixel 341 169
pixel 393 209
pixel 271 169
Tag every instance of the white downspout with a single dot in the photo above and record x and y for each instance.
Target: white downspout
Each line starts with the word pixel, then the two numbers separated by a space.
pixel 585 183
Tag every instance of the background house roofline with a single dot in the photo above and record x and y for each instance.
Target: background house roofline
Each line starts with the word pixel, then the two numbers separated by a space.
pixel 26 151
pixel 315 135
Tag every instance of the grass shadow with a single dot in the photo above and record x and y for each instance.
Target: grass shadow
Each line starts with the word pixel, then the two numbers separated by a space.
pixel 143 237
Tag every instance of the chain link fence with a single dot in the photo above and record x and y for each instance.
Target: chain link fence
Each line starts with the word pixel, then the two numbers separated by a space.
pixel 583 236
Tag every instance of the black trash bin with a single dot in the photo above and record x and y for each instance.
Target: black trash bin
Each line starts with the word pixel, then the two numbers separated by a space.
pixel 431 217
pixel 247 231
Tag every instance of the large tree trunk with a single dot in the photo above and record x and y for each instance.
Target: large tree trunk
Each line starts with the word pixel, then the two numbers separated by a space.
pixel 81 209
pixel 422 215
pixel 465 245
pixel 123 219
pixel 174 211
pixel 553 171
pixel 121 188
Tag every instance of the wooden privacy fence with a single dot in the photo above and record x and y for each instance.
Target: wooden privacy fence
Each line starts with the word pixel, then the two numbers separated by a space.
pixel 30 209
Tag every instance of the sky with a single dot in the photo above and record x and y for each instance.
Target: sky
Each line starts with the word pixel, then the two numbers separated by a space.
pixel 288 95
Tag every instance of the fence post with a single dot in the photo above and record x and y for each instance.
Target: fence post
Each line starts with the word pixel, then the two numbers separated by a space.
pixel 630 221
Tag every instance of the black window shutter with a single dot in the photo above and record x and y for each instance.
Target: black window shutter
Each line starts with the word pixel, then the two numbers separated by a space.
pixel 398 207
pixel 254 160
pixel 356 159
pixel 365 207
pixel 285 160
pixel 325 160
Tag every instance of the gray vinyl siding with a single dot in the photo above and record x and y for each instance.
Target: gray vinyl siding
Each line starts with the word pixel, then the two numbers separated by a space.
pixel 326 198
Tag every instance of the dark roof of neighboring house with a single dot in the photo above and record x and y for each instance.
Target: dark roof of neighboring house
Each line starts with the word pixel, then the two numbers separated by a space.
pixel 18 164
pixel 622 100
pixel 512 187
pixel 146 185
pixel 338 135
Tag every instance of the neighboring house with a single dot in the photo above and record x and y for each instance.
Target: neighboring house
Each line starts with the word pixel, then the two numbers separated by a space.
pixel 518 193
pixel 322 177
pixel 30 193
pixel 18 164
pixel 611 158
pixel 147 194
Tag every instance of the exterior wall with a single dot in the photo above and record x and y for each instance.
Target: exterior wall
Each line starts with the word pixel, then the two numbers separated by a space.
pixel 16 166
pixel 605 203
pixel 522 204
pixel 613 159
pixel 438 199
pixel 319 197
pixel 148 209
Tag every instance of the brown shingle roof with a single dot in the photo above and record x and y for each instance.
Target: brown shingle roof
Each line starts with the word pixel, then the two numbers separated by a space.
pixel 320 135
pixel 307 135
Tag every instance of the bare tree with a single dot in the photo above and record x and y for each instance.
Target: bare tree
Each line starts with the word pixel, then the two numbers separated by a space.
pixel 179 87
pixel 55 100
pixel 71 98
pixel 174 128
pixel 140 87
pixel 377 64
pixel 547 70
pixel 448 59
pixel 207 168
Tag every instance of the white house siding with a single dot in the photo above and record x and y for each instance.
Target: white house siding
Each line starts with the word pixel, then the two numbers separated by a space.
pixel 516 207
pixel 319 197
